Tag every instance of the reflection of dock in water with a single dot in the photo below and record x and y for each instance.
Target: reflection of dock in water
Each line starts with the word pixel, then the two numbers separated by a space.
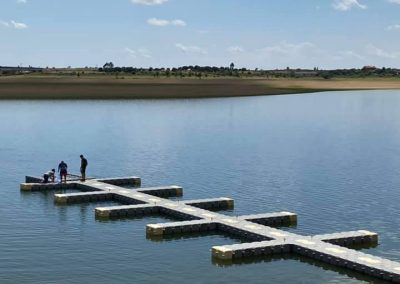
pixel 199 217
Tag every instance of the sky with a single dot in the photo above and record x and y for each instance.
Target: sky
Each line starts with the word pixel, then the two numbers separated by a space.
pixel 264 34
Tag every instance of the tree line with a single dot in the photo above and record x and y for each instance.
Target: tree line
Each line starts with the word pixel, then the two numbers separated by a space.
pixel 214 71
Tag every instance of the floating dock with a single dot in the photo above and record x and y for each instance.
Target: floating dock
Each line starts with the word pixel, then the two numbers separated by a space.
pixel 201 216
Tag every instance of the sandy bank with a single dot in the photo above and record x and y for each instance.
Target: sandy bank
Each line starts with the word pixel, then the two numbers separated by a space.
pixel 132 88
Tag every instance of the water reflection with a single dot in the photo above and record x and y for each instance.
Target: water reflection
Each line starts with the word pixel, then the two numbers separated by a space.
pixel 302 259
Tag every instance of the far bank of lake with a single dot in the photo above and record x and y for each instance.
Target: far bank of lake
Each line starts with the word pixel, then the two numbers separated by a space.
pixel 109 87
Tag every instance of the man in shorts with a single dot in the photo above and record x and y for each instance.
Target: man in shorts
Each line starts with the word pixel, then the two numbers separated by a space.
pixel 63 169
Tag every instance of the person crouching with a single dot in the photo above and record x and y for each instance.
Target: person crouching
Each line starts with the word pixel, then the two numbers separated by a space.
pixel 50 175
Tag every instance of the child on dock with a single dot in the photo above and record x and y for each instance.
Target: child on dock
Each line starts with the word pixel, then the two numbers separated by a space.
pixel 50 175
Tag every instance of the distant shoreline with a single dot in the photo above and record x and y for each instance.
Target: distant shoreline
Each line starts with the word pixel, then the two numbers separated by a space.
pixel 110 88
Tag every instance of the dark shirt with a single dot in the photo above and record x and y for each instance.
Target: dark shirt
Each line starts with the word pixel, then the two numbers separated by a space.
pixel 62 166
pixel 84 163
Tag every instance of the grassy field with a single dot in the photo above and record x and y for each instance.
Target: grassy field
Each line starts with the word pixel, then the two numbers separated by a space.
pixel 109 87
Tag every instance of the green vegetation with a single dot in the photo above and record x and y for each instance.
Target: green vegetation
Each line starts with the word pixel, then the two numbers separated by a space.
pixel 213 72
pixel 202 72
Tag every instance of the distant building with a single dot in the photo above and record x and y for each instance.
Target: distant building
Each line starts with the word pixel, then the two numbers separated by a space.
pixel 18 69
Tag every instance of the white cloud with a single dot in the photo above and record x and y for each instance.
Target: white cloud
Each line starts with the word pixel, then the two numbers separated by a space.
pixel 163 23
pixel 19 26
pixel 346 5
pixel 285 48
pixel 131 52
pixel 22 1
pixel 5 24
pixel 149 2
pixel 346 55
pixel 158 22
pixel 283 54
pixel 179 23
pixel 144 53
pixel 236 49
pixel 373 50
pixel 190 48
pixel 14 24
pixel 350 53
pixel 394 1
pixel 393 27
pixel 141 52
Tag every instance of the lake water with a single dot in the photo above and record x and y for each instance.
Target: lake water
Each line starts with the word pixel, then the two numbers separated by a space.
pixel 333 158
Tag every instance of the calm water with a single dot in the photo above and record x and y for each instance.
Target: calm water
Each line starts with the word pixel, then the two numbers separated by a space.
pixel 333 158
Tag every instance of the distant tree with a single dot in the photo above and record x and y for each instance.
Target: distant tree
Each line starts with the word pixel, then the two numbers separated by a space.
pixel 326 75
pixel 232 66
pixel 108 65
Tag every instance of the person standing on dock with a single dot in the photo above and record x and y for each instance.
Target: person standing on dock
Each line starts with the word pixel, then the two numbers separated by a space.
pixel 84 164
pixel 63 169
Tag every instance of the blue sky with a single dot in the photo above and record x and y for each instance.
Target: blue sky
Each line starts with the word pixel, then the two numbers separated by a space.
pixel 264 34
